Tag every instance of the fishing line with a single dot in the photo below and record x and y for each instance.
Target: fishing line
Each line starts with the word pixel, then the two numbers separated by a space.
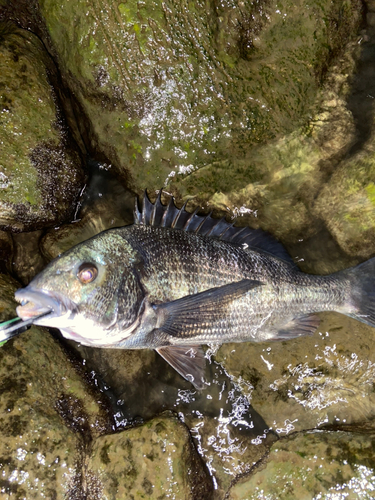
pixel 15 326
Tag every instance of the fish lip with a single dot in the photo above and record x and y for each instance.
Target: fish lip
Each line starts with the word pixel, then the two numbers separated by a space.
pixel 38 301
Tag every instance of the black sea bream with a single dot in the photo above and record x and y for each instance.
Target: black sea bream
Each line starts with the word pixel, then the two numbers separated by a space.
pixel 174 280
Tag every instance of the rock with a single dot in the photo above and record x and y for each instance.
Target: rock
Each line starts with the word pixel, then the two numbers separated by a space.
pixel 167 465
pixel 229 445
pixel 7 303
pixel 41 173
pixel 308 382
pixel 106 205
pixel 313 465
pixel 275 188
pixel 176 111
pixel 181 89
pixel 27 259
pixel 347 204
pixel 48 415
pixel 130 379
pixel 6 252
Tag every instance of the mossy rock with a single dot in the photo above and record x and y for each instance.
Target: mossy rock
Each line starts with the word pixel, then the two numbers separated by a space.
pixel 48 414
pixel 313 465
pixel 169 89
pixel 41 172
pixel 347 204
pixel 167 465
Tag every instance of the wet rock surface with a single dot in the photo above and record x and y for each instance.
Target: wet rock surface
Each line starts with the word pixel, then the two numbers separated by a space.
pixel 48 414
pixel 229 435
pixel 195 84
pixel 230 446
pixel 41 173
pixel 313 465
pixel 325 379
pixel 7 304
pixel 155 460
pixel 347 203
pixel 105 204
pixel 6 252
pixel 27 259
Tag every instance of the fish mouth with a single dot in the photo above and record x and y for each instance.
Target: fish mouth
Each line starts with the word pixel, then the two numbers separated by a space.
pixel 35 302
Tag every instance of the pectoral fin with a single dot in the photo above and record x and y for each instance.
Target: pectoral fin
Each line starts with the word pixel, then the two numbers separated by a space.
pixel 184 317
pixel 188 361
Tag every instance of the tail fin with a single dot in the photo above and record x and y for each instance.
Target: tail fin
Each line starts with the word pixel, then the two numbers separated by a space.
pixel 362 297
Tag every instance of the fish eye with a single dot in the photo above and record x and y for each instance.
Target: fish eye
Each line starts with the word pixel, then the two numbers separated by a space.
pixel 87 272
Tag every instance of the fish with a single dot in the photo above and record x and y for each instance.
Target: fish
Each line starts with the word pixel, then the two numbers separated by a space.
pixel 174 281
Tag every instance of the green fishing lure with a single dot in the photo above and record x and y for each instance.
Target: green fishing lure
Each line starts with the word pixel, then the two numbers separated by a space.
pixel 15 326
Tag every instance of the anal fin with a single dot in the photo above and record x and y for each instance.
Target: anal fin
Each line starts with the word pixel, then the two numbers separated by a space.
pixel 188 361
pixel 299 327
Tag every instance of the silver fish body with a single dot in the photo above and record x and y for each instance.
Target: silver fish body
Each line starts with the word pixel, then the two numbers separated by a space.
pixel 173 281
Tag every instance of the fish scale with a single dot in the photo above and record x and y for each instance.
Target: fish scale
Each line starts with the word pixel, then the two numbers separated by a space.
pixel 258 315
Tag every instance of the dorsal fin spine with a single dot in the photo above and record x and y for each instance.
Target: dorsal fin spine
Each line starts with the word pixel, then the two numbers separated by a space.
pixel 202 223
pixel 179 213
pixel 137 213
pixel 212 228
pixel 238 235
pixel 164 218
pixel 190 219
pixel 225 230
pixel 170 216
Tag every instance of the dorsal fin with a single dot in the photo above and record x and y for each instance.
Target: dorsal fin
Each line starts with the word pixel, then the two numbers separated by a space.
pixel 157 214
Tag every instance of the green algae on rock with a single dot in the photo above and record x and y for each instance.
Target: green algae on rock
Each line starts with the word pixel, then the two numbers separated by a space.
pixel 48 415
pixel 315 464
pixel 40 168
pixel 347 203
pixel 155 460
pixel 277 185
pixel 179 86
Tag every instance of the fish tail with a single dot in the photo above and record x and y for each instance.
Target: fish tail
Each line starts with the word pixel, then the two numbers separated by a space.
pixel 362 293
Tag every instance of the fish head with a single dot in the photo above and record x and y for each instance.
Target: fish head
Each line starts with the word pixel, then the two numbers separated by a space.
pixel 91 291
